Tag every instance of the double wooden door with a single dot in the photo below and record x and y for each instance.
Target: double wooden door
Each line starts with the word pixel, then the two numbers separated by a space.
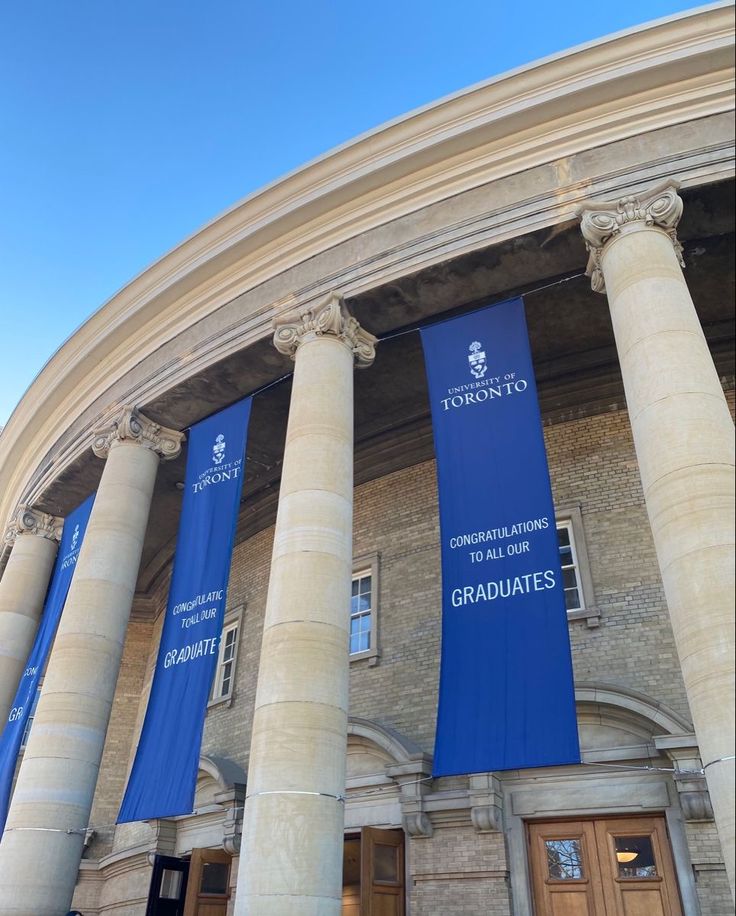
pixel 603 867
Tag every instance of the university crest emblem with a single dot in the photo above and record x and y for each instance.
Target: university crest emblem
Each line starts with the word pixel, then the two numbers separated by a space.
pixel 477 360
pixel 218 449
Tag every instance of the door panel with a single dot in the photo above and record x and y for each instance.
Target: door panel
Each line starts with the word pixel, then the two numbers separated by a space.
pixel 168 887
pixel 646 884
pixel 603 867
pixel 381 872
pixel 565 869
pixel 208 887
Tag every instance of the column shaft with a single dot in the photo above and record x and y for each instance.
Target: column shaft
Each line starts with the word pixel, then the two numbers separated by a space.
pixel 291 856
pixel 42 844
pixel 22 592
pixel 684 439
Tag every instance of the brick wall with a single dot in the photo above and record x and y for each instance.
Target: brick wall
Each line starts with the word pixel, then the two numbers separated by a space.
pixel 593 467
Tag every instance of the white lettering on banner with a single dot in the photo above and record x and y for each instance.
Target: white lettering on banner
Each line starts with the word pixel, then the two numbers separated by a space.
pixel 499 534
pixel 205 598
pixel 70 559
pixel 484 394
pixel 217 474
pixel 191 652
pixel 504 588
pixel 209 613
pixel 15 713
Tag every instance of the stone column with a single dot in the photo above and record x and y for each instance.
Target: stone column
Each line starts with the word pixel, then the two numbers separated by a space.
pixel 291 850
pixel 684 440
pixel 42 844
pixel 35 537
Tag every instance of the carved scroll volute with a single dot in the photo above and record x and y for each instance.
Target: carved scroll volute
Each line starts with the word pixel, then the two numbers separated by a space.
pixel 601 221
pixel 128 424
pixel 329 318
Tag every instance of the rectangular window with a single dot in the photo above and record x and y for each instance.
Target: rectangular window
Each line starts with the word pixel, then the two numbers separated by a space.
pixel 363 639
pixel 361 613
pixel 224 680
pixel 576 577
pixel 569 562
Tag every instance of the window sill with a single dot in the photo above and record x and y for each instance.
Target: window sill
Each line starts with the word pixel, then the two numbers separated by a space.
pixel 371 654
pixel 225 701
pixel 591 615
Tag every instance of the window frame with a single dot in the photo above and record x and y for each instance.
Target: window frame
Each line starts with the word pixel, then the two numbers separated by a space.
pixel 367 565
pixel 233 621
pixel 571 517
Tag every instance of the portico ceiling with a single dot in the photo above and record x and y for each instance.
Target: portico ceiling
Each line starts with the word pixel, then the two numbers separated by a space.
pixel 572 346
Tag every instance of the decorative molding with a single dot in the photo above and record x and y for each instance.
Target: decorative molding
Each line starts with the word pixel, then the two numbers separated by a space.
pixel 330 317
pixel 486 802
pixel 414 785
pixel 692 789
pixel 601 221
pixel 128 424
pixel 28 520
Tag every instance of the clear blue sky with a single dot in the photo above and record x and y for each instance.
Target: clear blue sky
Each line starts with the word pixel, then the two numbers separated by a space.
pixel 127 124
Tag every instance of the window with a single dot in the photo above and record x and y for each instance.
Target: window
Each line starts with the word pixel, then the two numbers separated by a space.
pixel 569 563
pixel 29 721
pixel 363 640
pixel 576 579
pixel 224 680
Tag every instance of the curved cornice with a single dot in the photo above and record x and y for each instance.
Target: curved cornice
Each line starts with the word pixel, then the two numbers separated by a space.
pixel 654 76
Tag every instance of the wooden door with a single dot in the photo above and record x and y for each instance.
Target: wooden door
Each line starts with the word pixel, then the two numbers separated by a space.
pixel 638 871
pixel 603 867
pixel 565 871
pixel 208 887
pixel 381 872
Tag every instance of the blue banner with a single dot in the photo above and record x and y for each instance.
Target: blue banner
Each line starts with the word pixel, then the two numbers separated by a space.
pixel 72 536
pixel 506 697
pixel 164 774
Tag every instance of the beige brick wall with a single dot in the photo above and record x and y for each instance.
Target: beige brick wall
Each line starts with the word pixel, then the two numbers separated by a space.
pixel 710 874
pixel 593 466
pixel 458 873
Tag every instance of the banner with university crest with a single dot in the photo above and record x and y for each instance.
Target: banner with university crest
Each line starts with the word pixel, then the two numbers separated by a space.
pixel 506 698
pixel 13 733
pixel 164 774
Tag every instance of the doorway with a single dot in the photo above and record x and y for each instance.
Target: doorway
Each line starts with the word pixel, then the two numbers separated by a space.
pixel 373 873
pixel 199 886
pixel 168 887
pixel 603 867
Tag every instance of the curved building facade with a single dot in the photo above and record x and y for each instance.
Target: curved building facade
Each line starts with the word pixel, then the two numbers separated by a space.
pixel 597 184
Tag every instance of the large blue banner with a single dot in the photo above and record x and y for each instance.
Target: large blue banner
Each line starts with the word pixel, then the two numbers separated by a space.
pixel 164 774
pixel 72 536
pixel 506 696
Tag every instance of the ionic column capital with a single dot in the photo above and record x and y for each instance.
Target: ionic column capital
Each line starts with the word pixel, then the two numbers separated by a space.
pixel 127 424
pixel 328 318
pixel 602 221
pixel 28 520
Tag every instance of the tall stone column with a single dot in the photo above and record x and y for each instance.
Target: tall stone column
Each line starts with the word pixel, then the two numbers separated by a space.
pixel 42 844
pixel 684 440
pixel 35 537
pixel 291 853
